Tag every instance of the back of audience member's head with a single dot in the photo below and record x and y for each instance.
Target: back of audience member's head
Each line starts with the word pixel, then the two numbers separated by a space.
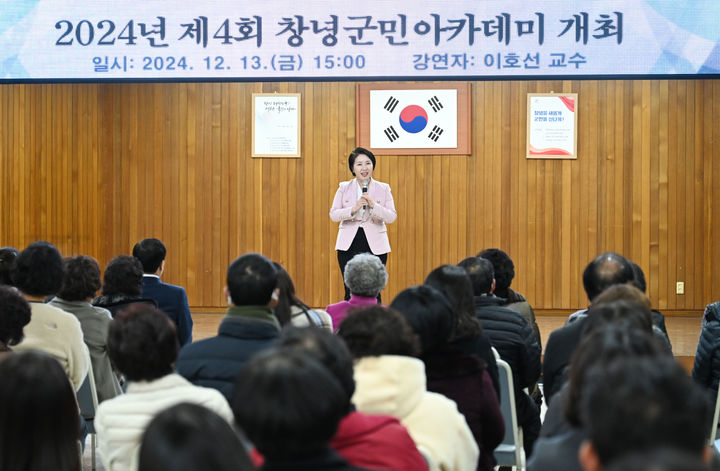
pixel 481 273
pixel 638 277
pixel 123 277
pixel 188 437
pixel 659 460
pixel 142 343
pixel 620 311
pixel 603 346
pixel 365 275
pixel 286 296
pixel 429 314
pixel 39 269
pixel 454 282
pixel 8 255
pixel 624 292
pixel 14 315
pixel 251 280
pixel 82 278
pixel 288 404
pixel 606 270
pixel 376 331
pixel 39 420
pixel 325 347
pixel 504 269
pixel 641 404
pixel 151 253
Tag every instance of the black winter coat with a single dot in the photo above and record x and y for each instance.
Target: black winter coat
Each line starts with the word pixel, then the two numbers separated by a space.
pixel 512 337
pixel 706 369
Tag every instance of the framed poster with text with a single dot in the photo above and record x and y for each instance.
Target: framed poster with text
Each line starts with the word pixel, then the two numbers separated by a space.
pixel 275 125
pixel 552 126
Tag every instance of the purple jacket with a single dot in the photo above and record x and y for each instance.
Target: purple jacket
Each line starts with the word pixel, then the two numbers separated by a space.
pixel 339 311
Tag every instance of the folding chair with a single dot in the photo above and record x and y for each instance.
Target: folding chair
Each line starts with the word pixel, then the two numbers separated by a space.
pixel 510 452
pixel 88 402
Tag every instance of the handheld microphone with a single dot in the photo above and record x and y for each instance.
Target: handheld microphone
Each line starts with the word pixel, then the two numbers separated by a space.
pixel 364 190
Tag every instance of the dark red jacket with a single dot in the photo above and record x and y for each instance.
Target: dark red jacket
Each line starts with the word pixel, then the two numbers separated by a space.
pixel 376 442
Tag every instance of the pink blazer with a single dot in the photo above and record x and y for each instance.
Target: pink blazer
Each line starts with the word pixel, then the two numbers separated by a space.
pixel 372 222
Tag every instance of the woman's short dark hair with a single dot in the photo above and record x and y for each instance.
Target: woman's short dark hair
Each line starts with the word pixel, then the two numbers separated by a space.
pixel 142 343
pixel 288 404
pixel 359 151
pixel 601 347
pixel 123 276
pixel 627 312
pixel 8 255
pixel 188 437
pixel 82 278
pixel 325 347
pixel 39 419
pixel 429 314
pixel 14 315
pixel 454 282
pixel 39 269
pixel 504 269
pixel 376 331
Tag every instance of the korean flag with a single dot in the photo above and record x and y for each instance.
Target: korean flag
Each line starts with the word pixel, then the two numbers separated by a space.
pixel 415 119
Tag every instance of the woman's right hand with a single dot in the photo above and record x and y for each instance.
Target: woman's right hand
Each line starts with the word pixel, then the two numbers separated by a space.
pixel 358 204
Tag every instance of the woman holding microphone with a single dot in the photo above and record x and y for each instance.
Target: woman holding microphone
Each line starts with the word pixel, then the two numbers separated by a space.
pixel 362 206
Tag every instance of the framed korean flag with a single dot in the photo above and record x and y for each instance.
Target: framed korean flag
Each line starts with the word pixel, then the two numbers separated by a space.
pixel 414 119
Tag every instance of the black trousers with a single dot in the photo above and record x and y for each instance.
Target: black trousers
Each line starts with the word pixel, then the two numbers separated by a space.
pixel 358 245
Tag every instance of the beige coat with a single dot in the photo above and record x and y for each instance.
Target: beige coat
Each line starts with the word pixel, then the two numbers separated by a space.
pixel 395 385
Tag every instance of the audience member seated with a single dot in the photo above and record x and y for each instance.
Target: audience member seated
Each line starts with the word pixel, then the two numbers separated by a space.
pixel 171 299
pixel 122 285
pixel 7 264
pixel 143 346
pixel 641 405
pixel 189 437
pixel 450 371
pixel 624 312
pixel 365 276
pixel 289 405
pixel 370 441
pixel 81 282
pixel 39 273
pixel 504 274
pixel 291 310
pixel 514 340
pixel 390 380
pixel 606 270
pixel 39 417
pixel 467 333
pixel 601 347
pixel 14 315
pixel 248 327
pixel 706 370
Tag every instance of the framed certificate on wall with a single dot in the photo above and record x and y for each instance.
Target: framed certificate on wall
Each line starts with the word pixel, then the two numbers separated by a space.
pixel 275 125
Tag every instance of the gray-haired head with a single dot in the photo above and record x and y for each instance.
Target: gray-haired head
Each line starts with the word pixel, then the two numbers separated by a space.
pixel 365 275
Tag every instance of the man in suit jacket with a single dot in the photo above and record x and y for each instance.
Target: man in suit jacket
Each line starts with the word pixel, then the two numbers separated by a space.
pixel 171 299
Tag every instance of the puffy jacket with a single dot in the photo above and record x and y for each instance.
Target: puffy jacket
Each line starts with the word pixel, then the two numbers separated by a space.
pixel 512 337
pixel 706 369
pixel 216 361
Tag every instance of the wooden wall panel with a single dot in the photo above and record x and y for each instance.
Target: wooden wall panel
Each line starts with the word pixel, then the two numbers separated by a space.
pixel 95 167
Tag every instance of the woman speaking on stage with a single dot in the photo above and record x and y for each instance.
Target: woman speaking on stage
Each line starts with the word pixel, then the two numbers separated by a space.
pixel 362 206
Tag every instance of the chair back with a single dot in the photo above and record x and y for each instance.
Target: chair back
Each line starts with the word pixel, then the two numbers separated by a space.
pixel 713 430
pixel 87 400
pixel 510 452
